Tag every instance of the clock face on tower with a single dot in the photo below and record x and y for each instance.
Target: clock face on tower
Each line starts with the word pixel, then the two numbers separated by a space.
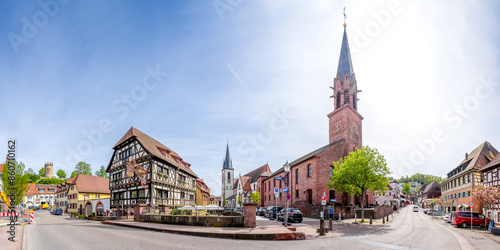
pixel 355 130
pixel 337 128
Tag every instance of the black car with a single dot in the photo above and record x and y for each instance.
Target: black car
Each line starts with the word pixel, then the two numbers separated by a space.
pixel 272 211
pixel 294 215
pixel 261 211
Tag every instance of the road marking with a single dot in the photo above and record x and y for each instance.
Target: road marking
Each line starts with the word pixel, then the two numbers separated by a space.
pixel 464 243
pixel 374 243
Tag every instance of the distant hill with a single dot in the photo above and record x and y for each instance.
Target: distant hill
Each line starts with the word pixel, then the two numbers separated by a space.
pixel 422 178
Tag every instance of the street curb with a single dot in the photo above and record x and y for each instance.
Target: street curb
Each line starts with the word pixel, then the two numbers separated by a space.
pixel 239 236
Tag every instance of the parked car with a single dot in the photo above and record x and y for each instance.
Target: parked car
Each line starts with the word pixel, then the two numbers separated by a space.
pixel 463 219
pixel 430 211
pixel 57 211
pixel 415 209
pixel 272 211
pixel 433 212
pixel 261 211
pixel 447 218
pixel 294 215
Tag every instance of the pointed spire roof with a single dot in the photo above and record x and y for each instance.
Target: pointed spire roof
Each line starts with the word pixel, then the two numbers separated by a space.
pixel 345 63
pixel 228 163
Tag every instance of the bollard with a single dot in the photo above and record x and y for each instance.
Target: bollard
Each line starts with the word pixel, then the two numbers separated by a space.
pixel 371 220
pixel 387 218
pixel 330 223
pixel 383 219
pixel 322 226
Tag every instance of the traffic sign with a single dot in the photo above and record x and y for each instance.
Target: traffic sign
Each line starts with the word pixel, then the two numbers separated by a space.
pixel 333 200
pixel 323 202
pixel 331 210
pixel 279 178
pixel 471 204
pixel 288 196
pixel 285 190
pixel 276 190
pixel 323 197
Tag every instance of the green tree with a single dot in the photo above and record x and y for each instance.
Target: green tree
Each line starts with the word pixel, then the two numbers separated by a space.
pixel 73 174
pixel 255 196
pixel 61 173
pixel 14 189
pixel 101 172
pixel 406 188
pixel 240 201
pixel 224 202
pixel 83 168
pixel 50 181
pixel 41 172
pixel 361 170
pixel 32 176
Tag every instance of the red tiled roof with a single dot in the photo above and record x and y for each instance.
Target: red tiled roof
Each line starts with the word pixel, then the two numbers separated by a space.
pixel 494 163
pixel 153 146
pixel 256 173
pixel 202 186
pixel 31 189
pixel 91 184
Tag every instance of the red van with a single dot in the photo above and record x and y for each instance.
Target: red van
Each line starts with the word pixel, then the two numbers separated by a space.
pixel 463 219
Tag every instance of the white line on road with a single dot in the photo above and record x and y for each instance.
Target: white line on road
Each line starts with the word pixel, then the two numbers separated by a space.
pixel 464 243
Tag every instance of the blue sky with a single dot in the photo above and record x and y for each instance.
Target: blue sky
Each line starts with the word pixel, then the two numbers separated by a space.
pixel 75 75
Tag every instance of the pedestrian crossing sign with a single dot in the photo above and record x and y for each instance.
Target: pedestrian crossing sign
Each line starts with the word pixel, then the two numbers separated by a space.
pixel 323 198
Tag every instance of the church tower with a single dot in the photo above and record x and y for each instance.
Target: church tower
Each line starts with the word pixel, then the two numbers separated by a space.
pixel 345 121
pixel 227 176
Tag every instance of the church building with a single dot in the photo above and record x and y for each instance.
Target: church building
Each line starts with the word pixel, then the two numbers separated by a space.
pixel 310 173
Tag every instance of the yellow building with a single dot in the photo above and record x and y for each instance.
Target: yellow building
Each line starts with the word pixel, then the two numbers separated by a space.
pixel 88 194
pixel 202 193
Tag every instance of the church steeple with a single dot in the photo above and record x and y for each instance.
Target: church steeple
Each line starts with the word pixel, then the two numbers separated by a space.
pixel 345 121
pixel 227 177
pixel 345 62
pixel 228 163
pixel 345 88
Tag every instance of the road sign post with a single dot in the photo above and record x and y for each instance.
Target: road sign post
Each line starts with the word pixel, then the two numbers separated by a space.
pixel 471 205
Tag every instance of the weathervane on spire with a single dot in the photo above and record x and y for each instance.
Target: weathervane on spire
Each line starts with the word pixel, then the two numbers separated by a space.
pixel 345 17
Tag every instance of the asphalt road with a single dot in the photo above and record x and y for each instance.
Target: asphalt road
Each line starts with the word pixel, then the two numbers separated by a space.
pixel 409 230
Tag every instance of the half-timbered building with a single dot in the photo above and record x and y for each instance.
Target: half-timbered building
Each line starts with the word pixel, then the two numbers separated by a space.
pixel 143 171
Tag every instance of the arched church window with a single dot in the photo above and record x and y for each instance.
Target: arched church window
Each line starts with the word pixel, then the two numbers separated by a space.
pixel 346 96
pixel 228 175
pixel 354 101
pixel 338 99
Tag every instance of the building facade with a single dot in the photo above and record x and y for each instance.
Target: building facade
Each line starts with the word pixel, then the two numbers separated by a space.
pixel 202 193
pixel 143 171
pixel 457 188
pixel 490 174
pixel 84 191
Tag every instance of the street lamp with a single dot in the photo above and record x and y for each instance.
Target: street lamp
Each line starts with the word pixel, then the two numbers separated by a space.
pixel 286 167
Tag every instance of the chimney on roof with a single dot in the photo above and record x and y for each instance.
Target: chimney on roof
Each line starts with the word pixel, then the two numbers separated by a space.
pixel 466 155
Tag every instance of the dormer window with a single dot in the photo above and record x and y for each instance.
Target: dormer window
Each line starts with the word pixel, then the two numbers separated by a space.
pixel 163 151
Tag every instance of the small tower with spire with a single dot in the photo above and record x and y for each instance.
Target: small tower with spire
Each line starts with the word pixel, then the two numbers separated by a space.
pixel 227 175
pixel 345 121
